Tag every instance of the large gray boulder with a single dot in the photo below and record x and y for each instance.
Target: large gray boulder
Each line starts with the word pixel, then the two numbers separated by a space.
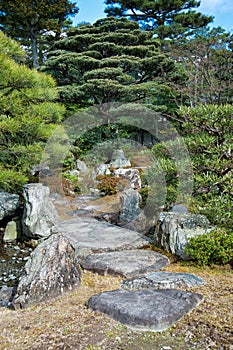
pixel 174 231
pixel 126 263
pixel 40 217
pixel 51 270
pixel 145 310
pixel 163 280
pixel 9 203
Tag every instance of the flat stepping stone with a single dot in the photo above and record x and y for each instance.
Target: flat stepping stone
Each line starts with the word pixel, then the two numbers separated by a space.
pixel 145 310
pixel 126 263
pixel 163 280
pixel 88 236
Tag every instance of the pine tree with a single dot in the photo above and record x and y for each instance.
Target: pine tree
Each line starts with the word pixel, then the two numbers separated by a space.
pixel 111 61
pixel 28 114
pixel 30 21
pixel 168 18
pixel 207 58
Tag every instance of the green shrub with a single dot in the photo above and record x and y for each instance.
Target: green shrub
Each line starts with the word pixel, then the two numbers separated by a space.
pixel 159 183
pixel 11 180
pixel 69 162
pixel 144 194
pixel 207 132
pixel 215 247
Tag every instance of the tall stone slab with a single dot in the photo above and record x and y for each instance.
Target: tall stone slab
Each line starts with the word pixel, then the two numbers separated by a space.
pixel 40 217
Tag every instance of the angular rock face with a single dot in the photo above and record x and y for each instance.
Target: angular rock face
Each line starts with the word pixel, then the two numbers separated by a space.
pixel 126 263
pixel 9 203
pixel 101 169
pixel 130 174
pixel 142 223
pixel 163 280
pixel 119 160
pixel 145 310
pixel 130 205
pixel 178 208
pixel 132 216
pixel 51 270
pixel 81 166
pixel 174 231
pixel 10 233
pixel 40 217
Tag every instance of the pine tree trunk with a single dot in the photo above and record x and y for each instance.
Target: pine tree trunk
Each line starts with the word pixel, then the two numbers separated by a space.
pixel 59 29
pixel 34 46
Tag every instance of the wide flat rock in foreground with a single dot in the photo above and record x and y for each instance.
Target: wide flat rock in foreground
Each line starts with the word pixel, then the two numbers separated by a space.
pixel 88 235
pixel 145 310
pixel 163 280
pixel 126 263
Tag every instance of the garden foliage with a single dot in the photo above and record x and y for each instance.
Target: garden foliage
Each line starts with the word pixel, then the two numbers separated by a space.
pixel 28 115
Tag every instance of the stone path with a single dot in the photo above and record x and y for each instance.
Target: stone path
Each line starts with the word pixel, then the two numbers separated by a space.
pixel 143 310
pixel 92 236
pixel 126 263
pixel 148 301
pixel 163 280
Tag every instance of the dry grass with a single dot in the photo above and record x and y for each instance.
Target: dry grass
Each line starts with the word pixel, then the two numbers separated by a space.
pixel 66 323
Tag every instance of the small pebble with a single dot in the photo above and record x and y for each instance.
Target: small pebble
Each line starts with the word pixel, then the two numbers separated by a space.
pixel 12 277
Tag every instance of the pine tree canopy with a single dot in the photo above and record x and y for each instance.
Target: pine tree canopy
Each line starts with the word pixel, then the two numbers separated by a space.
pixel 28 114
pixel 168 18
pixel 111 60
pixel 35 23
